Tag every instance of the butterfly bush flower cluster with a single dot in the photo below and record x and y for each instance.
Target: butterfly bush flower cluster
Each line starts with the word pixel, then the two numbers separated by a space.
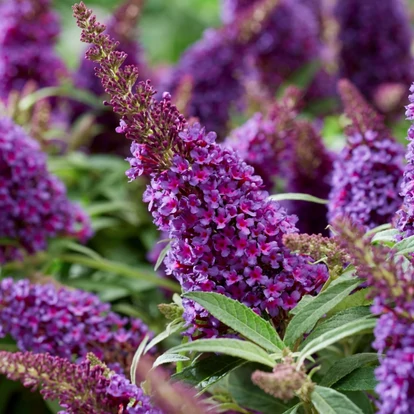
pixel 263 141
pixel 320 248
pixel 33 202
pixel 215 65
pixel 226 236
pixel 29 30
pixel 375 43
pixel 122 27
pixel 393 293
pixel 368 172
pixel 87 388
pixel 287 41
pixel 281 147
pixel 406 212
pixel 311 171
pixel 45 318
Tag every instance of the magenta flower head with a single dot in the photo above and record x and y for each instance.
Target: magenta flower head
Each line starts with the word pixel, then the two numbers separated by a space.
pixel 393 293
pixel 213 65
pixel 311 171
pixel 87 388
pixel 68 323
pixel 226 236
pixel 368 171
pixel 29 30
pixel 375 42
pixel 406 213
pixel 264 141
pixel 288 41
pixel 33 203
pixel 123 27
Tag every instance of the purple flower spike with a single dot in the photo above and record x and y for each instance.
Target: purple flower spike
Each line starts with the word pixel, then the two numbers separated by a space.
pixel 375 44
pixel 406 213
pixel 66 323
pixel 33 203
pixel 368 172
pixel 28 34
pixel 393 293
pixel 88 388
pixel 206 197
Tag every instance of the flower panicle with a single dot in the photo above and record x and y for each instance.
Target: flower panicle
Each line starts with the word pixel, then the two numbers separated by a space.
pixel 368 172
pixel 87 388
pixel 125 19
pixel 285 381
pixel 384 271
pixel 363 117
pixel 406 213
pixel 66 323
pixel 156 124
pixel 327 249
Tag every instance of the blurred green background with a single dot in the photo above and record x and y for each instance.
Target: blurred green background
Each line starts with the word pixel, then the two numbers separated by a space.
pixel 167 27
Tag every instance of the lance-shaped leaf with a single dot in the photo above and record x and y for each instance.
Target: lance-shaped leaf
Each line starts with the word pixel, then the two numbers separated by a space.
pixel 309 315
pixel 205 372
pixel 345 366
pixel 240 318
pixel 335 335
pixel 233 347
pixel 329 401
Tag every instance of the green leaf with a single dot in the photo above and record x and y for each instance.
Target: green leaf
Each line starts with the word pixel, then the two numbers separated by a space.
pixel 329 401
pixel 386 237
pixel 171 329
pixel 361 379
pixel 360 399
pixel 299 197
pixel 294 409
pixel 248 395
pixel 306 319
pixel 357 299
pixel 335 335
pixel 240 318
pixel 336 321
pixel 379 229
pixel 168 358
pixel 302 303
pixel 233 347
pixel 205 372
pixel 345 366
pixel 162 255
pixel 137 357
pixel 405 246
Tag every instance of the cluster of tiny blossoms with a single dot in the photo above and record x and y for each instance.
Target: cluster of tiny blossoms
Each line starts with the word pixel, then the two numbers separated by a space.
pixel 28 35
pixel 45 318
pixel 406 213
pixel 281 147
pixel 368 172
pixel 33 203
pixel 375 43
pixel 287 42
pixel 393 292
pixel 226 235
pixel 263 141
pixel 311 170
pixel 215 64
pixel 87 388
pixel 121 26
